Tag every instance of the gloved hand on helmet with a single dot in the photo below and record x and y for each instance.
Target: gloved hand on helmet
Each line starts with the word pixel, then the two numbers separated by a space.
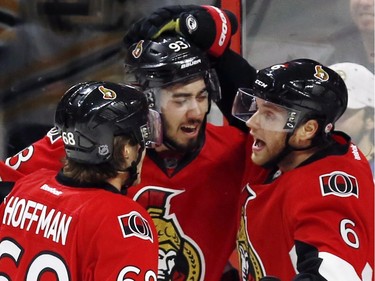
pixel 208 27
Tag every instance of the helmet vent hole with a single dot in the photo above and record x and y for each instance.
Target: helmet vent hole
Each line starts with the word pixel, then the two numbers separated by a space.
pixel 154 52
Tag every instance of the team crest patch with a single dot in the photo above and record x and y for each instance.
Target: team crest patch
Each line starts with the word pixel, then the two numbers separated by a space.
pixel 108 94
pixel 250 264
pixel 133 224
pixel 339 184
pixel 320 73
pixel 180 257
pixel 138 49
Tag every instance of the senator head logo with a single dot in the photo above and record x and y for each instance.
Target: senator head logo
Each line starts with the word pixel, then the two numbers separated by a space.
pixel 180 257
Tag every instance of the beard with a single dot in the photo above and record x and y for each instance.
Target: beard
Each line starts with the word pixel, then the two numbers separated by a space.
pixel 190 145
pixel 181 147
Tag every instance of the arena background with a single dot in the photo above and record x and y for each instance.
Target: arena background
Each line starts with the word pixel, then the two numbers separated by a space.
pixel 46 46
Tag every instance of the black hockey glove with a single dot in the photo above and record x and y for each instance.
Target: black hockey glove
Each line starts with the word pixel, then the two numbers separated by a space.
pixel 208 27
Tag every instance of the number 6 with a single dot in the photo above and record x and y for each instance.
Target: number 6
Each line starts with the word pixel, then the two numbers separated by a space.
pixel 346 231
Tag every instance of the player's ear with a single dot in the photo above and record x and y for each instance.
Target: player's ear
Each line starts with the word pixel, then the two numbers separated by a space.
pixel 126 151
pixel 130 152
pixel 305 133
pixel 309 129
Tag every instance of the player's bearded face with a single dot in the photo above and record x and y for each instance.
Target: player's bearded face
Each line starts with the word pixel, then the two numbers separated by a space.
pixel 183 108
pixel 267 146
pixel 268 143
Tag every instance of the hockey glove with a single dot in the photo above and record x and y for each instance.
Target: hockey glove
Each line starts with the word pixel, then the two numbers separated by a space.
pixel 160 20
pixel 208 27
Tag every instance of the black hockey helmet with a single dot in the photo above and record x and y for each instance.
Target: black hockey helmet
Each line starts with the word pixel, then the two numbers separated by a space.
pixel 91 114
pixel 306 88
pixel 167 60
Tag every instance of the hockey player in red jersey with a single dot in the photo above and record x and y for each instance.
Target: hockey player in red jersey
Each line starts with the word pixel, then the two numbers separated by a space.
pixel 191 184
pixel 197 172
pixel 313 219
pixel 77 225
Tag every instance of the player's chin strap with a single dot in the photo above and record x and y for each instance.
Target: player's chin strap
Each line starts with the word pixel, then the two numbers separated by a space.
pixel 132 171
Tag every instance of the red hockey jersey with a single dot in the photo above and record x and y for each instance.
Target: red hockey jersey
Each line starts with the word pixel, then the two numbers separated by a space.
pixel 316 219
pixel 8 173
pixel 51 231
pixel 194 210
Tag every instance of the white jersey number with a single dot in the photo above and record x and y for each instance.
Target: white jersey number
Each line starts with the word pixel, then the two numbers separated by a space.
pixel 42 263
pixel 51 262
pixel 348 234
pixel 22 156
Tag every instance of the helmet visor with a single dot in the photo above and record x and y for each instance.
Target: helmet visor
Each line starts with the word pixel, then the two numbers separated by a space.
pixel 266 114
pixel 152 132
pixel 159 78
pixel 184 98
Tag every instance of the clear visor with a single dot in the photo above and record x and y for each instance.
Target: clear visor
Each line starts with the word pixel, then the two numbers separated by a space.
pixel 152 132
pixel 177 98
pixel 263 113
pixel 152 83
pixel 181 101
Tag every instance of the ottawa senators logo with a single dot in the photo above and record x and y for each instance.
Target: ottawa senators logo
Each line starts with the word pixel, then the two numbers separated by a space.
pixel 180 258
pixel 108 94
pixel 320 73
pixel 251 267
pixel 133 224
pixel 138 49
pixel 339 184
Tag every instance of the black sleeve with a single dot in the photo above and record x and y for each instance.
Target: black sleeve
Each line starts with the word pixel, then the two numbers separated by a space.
pixel 5 188
pixel 308 263
pixel 233 72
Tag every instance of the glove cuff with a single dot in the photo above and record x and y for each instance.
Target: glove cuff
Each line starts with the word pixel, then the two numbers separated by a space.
pixel 223 28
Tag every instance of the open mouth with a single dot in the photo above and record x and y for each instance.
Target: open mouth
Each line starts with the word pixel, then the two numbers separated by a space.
pixel 258 144
pixel 189 128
